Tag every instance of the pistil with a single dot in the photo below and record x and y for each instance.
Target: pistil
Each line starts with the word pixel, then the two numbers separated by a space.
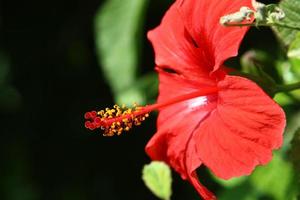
pixel 118 119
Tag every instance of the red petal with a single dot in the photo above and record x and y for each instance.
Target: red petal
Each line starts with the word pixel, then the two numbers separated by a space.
pixel 230 133
pixel 201 17
pixel 192 163
pixel 171 117
pixel 177 147
pixel 174 48
pixel 242 131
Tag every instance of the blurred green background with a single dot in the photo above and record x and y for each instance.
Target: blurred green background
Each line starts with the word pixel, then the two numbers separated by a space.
pixel 59 59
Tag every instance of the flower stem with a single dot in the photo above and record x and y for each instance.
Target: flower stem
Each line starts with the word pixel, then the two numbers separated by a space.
pixel 283 25
pixel 278 24
pixel 288 88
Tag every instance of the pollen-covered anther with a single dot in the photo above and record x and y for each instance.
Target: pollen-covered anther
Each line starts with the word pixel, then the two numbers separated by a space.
pixel 116 120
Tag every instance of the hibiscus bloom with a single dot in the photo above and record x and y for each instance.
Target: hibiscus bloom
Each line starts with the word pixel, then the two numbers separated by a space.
pixel 206 117
pixel 230 131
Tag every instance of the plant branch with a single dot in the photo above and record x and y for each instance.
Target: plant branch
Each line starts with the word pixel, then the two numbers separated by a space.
pixel 278 24
pixel 288 88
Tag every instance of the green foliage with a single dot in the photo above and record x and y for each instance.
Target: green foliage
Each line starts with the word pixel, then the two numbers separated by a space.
pixel 260 67
pixel 292 16
pixel 118 29
pixel 294 58
pixel 293 122
pixel 295 158
pixel 145 87
pixel 294 49
pixel 243 191
pixel 264 178
pixel 273 181
pixel 231 183
pixel 157 177
pixel 290 72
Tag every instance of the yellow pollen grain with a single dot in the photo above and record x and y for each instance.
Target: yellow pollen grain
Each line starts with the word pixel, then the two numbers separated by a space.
pixel 130 118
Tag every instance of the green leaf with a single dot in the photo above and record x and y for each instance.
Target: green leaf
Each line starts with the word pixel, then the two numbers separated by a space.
pixel 289 70
pixel 293 122
pixel 295 151
pixel 233 182
pixel 292 16
pixel 259 67
pixel 294 60
pixel 295 67
pixel 118 31
pixel 243 191
pixel 294 49
pixel 290 73
pixel 274 179
pixel 157 177
pixel 283 99
pixel 295 158
pixel 142 89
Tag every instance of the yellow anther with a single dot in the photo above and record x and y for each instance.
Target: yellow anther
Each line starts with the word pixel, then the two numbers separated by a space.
pixel 101 112
pixel 129 111
pixel 138 108
pixel 113 125
pixel 125 117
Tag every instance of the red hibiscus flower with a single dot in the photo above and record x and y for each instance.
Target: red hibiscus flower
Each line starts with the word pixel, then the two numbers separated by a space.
pixel 229 131
pixel 206 117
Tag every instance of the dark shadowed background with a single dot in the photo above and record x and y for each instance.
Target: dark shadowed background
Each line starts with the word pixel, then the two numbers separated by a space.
pixel 49 77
